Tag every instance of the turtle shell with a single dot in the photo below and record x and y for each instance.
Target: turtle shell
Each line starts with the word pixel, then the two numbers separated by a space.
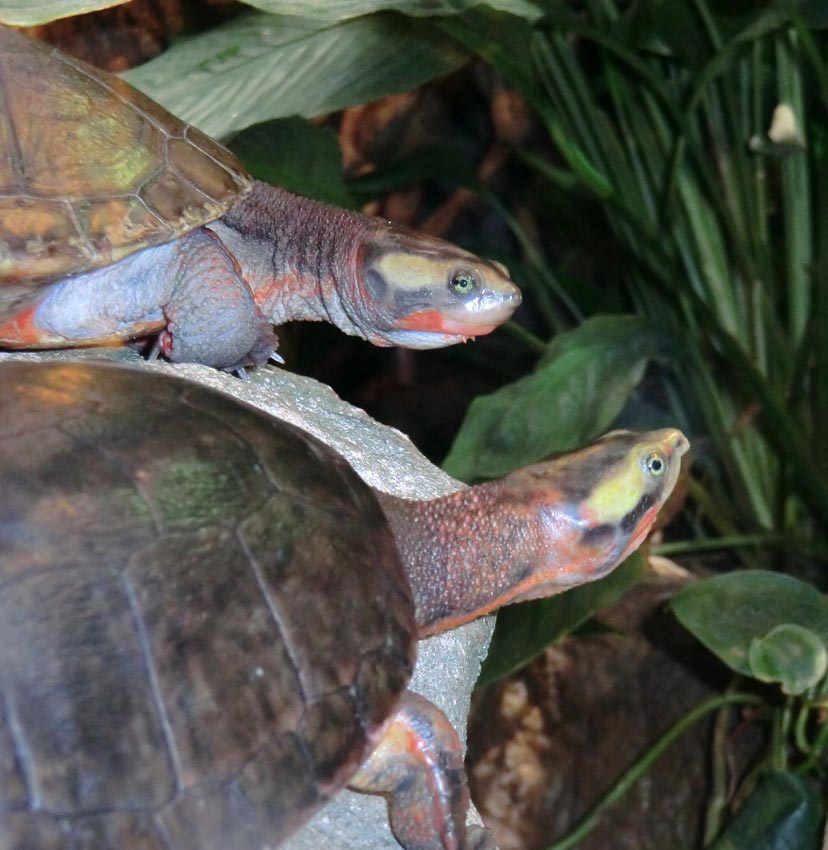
pixel 92 170
pixel 204 622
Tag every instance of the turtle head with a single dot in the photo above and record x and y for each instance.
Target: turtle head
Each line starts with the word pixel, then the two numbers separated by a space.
pixel 537 531
pixel 421 292
pixel 598 504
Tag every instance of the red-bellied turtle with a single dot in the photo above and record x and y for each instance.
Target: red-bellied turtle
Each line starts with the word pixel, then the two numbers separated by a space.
pixel 118 220
pixel 207 620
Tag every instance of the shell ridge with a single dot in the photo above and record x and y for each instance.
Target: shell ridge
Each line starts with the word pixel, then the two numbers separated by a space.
pixel 152 677
pixel 276 616
pixel 14 141
pixel 21 751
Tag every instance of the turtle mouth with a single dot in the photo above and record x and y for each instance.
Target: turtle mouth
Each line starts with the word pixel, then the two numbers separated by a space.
pixel 436 322
pixel 476 317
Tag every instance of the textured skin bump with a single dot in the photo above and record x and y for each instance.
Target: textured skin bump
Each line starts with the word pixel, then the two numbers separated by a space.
pixel 91 170
pixel 203 621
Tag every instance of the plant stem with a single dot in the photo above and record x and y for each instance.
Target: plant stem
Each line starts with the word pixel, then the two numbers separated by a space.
pixel 643 763
pixel 718 796
pixel 735 541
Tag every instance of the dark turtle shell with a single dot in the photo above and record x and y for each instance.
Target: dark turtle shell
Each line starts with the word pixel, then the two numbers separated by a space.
pixel 91 170
pixel 204 622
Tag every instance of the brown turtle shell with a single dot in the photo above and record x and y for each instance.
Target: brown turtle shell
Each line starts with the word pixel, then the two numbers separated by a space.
pixel 204 622
pixel 92 170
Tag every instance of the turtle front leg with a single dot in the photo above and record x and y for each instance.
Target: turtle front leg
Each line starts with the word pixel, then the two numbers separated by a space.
pixel 211 314
pixel 418 766
pixel 189 289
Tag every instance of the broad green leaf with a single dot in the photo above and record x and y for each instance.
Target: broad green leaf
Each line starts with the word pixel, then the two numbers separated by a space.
pixel 261 67
pixel 791 655
pixel 296 155
pixel 783 813
pixel 575 394
pixel 338 10
pixel 525 630
pixel 26 13
pixel 726 613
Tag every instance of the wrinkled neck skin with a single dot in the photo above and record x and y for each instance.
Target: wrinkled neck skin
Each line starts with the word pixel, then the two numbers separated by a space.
pixel 475 550
pixel 299 257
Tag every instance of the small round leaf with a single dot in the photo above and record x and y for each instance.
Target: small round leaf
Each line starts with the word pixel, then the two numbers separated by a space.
pixel 791 655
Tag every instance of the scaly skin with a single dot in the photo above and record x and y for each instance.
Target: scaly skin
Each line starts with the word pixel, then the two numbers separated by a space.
pixel 214 293
pixel 535 532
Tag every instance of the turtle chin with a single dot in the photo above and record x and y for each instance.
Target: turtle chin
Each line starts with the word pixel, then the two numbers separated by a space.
pixel 419 339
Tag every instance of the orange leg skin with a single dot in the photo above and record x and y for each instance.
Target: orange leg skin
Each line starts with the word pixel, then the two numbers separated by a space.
pixel 418 766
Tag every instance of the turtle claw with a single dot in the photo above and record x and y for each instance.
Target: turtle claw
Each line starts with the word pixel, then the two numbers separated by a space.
pixel 242 373
pixel 276 358
pixel 155 351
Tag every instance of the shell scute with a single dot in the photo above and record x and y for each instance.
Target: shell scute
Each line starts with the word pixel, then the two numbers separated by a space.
pixel 127 173
pixel 180 205
pixel 38 233
pixel 118 220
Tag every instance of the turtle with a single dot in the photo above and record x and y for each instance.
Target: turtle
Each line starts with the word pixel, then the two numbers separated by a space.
pixel 208 621
pixel 119 221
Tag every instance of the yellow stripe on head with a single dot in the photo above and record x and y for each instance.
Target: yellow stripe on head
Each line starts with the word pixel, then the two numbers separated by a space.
pixel 650 467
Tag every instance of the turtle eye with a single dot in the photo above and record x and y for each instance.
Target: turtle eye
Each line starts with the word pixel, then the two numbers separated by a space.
pixel 655 464
pixel 463 282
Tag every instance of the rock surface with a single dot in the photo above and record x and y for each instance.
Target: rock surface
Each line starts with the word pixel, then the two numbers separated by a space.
pixel 447 665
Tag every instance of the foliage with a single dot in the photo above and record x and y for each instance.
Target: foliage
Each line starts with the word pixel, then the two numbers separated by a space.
pixel 769 614
pixel 576 392
pixel 784 812
pixel 29 12
pixel 259 67
pixel 695 135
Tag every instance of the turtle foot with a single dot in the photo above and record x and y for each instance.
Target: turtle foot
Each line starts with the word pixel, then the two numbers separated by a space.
pixel 418 766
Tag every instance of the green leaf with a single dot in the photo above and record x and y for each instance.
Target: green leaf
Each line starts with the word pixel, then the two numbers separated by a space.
pixel 575 394
pixel 791 655
pixel 267 66
pixel 296 155
pixel 783 813
pixel 26 13
pixel 525 630
pixel 338 10
pixel 728 612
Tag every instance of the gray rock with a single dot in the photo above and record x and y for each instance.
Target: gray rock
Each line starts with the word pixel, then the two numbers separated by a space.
pixel 448 664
